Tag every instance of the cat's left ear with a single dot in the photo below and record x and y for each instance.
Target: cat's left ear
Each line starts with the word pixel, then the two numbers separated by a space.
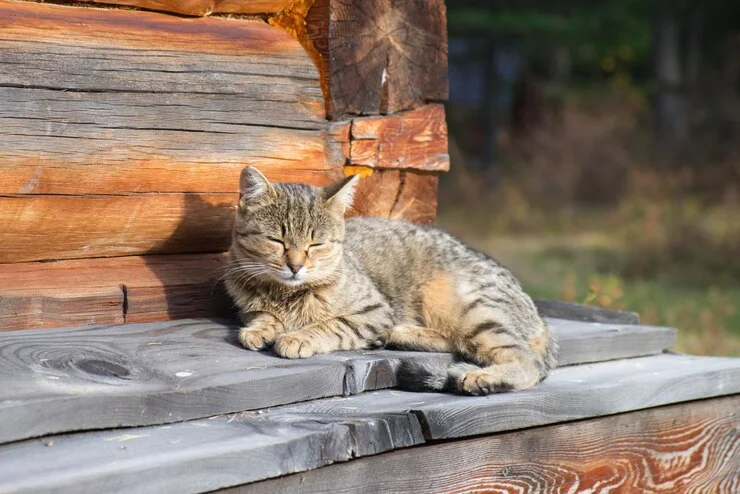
pixel 254 186
pixel 338 196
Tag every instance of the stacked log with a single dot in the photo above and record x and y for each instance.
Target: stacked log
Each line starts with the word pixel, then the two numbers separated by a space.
pixel 125 124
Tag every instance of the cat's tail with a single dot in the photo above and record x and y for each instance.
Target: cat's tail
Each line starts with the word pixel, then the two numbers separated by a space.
pixel 431 376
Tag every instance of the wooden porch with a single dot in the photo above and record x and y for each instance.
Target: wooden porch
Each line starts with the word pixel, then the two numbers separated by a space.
pixel 180 407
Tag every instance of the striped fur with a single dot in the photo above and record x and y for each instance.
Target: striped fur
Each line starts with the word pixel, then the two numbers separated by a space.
pixel 368 282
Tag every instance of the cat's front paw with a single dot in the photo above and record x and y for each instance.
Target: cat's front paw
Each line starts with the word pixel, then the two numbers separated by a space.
pixel 294 345
pixel 256 338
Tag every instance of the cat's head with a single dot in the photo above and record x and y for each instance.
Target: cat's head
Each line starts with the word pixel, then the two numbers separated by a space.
pixel 289 233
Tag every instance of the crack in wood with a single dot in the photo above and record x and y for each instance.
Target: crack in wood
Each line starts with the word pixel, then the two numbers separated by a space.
pixel 124 302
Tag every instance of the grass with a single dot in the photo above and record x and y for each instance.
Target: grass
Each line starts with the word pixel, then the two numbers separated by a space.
pixel 688 282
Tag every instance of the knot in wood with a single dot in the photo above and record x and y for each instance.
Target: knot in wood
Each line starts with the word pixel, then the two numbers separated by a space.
pixel 103 368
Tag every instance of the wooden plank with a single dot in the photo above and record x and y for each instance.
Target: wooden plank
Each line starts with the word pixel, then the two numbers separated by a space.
pixel 197 456
pixel 112 291
pixel 36 177
pixel 596 342
pixel 579 343
pixel 109 226
pixel 143 374
pixel 397 194
pixel 691 447
pixel 52 373
pixel 120 103
pixel 570 393
pixel 415 139
pixel 204 7
pixel 585 313
pixel 375 56
pixel 86 87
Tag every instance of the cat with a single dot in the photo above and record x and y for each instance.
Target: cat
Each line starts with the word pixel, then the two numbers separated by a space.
pixel 306 282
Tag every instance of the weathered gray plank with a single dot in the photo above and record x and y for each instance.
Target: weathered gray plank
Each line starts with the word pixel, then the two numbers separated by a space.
pixel 73 379
pixel 212 453
pixel 585 313
pixel 131 375
pixel 197 456
pixel 570 393
pixel 692 447
pixel 584 342
pixel 580 342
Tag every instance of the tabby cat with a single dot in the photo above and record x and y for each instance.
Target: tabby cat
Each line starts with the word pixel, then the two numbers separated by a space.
pixel 308 282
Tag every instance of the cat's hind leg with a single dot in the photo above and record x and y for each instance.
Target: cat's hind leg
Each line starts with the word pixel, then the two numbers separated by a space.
pixel 511 351
pixel 419 338
pixel 513 369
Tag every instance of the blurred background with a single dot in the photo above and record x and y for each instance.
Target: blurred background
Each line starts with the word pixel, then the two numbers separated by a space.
pixel 595 151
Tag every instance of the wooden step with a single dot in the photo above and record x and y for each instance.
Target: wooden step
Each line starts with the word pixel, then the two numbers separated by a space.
pixel 207 454
pixel 155 373
pixel 690 447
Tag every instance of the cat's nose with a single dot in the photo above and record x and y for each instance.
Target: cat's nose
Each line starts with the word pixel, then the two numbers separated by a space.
pixel 294 267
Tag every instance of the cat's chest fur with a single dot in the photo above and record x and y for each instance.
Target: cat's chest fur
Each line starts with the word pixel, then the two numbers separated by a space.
pixel 297 311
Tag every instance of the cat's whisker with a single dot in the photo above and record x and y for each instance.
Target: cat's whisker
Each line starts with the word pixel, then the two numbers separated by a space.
pixel 240 268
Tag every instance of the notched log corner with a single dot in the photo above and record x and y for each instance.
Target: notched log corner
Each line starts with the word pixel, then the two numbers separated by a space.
pixel 412 140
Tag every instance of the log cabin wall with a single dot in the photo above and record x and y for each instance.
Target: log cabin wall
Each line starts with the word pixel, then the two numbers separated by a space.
pixel 125 124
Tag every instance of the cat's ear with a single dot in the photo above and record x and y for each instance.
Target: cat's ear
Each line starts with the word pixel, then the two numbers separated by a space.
pixel 254 185
pixel 338 196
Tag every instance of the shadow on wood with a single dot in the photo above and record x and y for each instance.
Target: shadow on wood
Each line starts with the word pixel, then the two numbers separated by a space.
pixel 189 289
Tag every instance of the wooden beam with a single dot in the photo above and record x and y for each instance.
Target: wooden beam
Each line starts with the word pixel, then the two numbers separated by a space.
pixel 133 375
pixel 112 291
pixel 198 456
pixel 68 227
pixel 375 56
pixel 569 393
pixel 103 108
pixel 195 368
pixel 397 194
pixel 579 342
pixel 416 139
pixel 585 313
pixel 692 447
pixel 204 7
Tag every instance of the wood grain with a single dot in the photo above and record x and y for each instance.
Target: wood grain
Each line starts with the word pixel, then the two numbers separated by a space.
pixel 414 139
pixel 50 373
pixel 585 313
pixel 692 447
pixel 68 227
pixel 32 177
pixel 198 456
pixel 569 393
pixel 101 107
pixel 204 7
pixel 375 57
pixel 596 342
pixel 87 88
pixel 112 291
pixel 579 342
pixel 144 374
pixel 398 194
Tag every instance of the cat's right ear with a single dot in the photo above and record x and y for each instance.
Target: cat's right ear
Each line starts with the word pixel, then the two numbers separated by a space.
pixel 253 185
